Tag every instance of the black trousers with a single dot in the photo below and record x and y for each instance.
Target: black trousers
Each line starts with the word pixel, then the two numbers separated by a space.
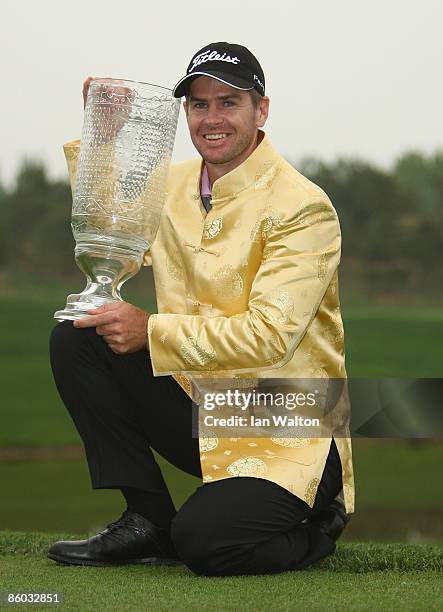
pixel 121 411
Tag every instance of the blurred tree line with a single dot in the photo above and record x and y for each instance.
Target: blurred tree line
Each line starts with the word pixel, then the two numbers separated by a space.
pixel 391 223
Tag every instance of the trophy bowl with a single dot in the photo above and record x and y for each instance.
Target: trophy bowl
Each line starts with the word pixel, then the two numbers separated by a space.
pixel 125 152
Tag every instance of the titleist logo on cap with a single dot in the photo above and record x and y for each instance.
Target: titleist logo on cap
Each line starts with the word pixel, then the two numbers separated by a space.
pixel 258 81
pixel 212 56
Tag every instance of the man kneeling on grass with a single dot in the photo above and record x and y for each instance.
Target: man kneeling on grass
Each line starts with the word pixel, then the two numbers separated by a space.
pixel 245 265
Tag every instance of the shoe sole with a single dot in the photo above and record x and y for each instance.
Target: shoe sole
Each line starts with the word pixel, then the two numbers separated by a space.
pixel 97 562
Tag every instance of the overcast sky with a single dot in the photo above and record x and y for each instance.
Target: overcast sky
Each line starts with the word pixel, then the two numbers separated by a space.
pixel 345 77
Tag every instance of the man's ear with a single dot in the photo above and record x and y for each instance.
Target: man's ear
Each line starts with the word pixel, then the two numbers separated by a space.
pixel 186 105
pixel 262 111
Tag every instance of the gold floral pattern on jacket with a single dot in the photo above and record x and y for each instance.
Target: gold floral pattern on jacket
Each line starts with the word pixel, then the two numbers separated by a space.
pixel 311 491
pixel 173 265
pixel 267 219
pixel 207 441
pixel 291 442
pixel 212 228
pixel 228 283
pixel 197 352
pixel 322 267
pixel 247 466
pixel 284 303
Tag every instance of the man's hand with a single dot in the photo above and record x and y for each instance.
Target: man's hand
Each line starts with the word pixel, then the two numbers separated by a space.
pixel 86 84
pixel 115 115
pixel 122 325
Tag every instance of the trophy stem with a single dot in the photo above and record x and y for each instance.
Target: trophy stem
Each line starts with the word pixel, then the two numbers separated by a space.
pixel 106 267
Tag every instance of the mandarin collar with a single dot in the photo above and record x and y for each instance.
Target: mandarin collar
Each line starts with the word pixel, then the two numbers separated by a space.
pixel 252 169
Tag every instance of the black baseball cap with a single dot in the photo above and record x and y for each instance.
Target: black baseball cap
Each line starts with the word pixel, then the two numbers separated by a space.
pixel 232 64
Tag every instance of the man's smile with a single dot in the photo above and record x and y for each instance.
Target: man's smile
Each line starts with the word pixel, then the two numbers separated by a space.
pixel 217 136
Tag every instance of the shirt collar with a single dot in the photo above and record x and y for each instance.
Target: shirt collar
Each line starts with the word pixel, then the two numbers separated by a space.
pixel 248 172
pixel 206 187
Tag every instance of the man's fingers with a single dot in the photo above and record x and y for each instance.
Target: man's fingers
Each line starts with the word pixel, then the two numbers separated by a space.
pixel 103 315
pixel 106 307
pixel 107 330
pixel 95 311
pixel 115 347
pixel 86 84
pixel 86 322
pixel 95 320
pixel 113 305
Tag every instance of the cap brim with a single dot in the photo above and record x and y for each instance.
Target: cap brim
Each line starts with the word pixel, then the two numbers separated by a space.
pixel 182 87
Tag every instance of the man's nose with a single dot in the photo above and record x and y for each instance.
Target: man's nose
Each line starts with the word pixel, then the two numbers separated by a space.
pixel 213 116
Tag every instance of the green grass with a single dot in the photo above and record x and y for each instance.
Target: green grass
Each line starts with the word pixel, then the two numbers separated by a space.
pixel 393 340
pixel 355 557
pixel 56 494
pixel 357 577
pixel 387 348
pixel 30 403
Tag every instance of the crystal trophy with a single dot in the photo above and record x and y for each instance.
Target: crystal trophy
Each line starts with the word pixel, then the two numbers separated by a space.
pixel 125 151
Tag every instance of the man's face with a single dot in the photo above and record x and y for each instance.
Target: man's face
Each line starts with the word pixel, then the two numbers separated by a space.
pixel 223 121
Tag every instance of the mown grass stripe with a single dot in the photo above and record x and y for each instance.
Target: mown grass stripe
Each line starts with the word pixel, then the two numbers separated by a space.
pixel 362 557
pixel 359 557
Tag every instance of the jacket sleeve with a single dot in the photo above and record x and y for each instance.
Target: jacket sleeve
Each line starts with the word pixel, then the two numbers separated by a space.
pixel 72 150
pixel 301 254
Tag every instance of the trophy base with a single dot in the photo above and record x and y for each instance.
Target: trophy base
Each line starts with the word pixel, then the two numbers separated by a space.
pixel 107 264
pixel 77 307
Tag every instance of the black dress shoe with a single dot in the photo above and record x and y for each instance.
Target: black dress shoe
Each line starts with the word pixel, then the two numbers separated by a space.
pixel 131 539
pixel 332 521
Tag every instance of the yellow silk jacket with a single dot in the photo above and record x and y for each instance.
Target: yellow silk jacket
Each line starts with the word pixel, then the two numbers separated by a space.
pixel 250 289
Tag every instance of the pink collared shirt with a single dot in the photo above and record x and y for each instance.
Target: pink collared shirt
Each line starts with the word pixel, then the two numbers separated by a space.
pixel 205 186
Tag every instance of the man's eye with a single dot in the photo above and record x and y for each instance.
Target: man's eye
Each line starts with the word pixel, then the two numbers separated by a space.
pixel 228 103
pixel 199 105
